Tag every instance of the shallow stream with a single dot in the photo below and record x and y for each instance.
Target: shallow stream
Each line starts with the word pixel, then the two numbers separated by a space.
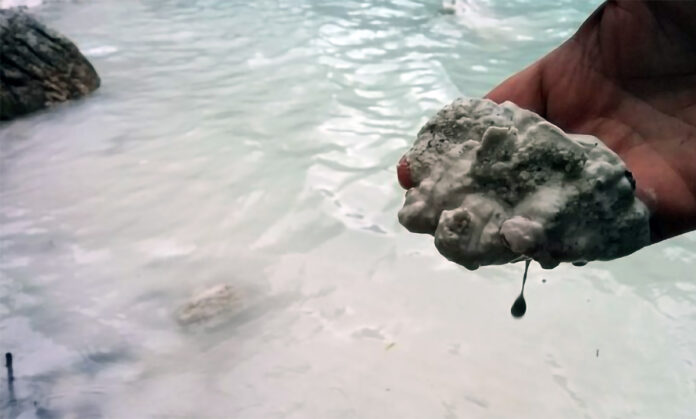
pixel 253 144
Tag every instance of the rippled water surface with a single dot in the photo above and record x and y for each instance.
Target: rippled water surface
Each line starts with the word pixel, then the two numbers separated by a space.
pixel 252 145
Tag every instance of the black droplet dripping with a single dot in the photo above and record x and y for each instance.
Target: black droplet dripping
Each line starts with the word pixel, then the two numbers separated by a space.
pixel 519 307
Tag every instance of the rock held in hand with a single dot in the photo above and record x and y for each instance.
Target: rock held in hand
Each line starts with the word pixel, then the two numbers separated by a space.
pixel 496 183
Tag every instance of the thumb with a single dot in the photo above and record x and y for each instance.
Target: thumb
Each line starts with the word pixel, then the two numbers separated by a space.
pixel 524 89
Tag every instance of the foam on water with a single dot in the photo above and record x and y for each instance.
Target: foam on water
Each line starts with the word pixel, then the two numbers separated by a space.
pixel 6 4
pixel 251 146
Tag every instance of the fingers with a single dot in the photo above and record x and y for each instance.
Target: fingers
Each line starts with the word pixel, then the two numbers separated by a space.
pixel 524 89
pixel 527 88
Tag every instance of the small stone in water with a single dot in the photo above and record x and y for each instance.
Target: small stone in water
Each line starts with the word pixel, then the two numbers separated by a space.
pixel 210 304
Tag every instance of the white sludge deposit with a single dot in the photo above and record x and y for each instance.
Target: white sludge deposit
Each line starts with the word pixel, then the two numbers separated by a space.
pixel 496 183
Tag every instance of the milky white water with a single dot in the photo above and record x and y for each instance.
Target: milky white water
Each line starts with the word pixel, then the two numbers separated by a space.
pixel 253 144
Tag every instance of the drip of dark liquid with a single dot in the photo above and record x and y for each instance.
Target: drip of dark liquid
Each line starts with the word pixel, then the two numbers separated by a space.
pixel 519 307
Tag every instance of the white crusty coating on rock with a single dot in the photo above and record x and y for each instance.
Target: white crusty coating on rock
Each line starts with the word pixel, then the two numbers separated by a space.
pixel 494 183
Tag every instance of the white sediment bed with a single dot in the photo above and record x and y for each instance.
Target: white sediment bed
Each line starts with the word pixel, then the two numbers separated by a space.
pixel 497 183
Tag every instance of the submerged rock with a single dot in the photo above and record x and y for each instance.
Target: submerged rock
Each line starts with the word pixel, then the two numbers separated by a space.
pixel 38 66
pixel 211 306
pixel 497 183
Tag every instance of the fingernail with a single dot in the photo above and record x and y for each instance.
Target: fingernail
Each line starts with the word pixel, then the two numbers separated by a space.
pixel 403 172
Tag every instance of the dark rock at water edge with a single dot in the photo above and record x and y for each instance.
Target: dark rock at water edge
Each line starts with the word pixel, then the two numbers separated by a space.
pixel 38 66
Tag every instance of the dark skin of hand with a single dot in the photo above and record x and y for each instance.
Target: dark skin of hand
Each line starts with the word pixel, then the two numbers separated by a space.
pixel 628 76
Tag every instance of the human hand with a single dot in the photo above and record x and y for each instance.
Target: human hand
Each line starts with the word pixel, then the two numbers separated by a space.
pixel 628 76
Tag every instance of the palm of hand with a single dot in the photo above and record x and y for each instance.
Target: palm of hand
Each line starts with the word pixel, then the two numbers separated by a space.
pixel 628 77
